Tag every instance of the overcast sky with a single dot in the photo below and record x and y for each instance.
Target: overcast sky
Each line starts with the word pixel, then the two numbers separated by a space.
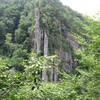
pixel 87 7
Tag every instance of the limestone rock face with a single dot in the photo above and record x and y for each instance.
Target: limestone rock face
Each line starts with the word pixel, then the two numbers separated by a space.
pixel 50 37
pixel 73 41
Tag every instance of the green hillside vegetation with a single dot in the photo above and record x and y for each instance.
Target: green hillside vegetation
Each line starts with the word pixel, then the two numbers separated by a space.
pixel 48 52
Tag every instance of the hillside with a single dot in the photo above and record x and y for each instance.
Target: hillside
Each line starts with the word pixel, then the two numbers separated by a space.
pixel 18 28
pixel 38 43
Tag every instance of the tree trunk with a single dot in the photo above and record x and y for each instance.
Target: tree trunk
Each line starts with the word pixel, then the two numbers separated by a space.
pixel 37 31
pixel 44 74
pixel 56 74
pixel 45 44
pixel 51 74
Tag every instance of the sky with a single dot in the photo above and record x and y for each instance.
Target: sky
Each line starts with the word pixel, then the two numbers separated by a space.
pixel 86 7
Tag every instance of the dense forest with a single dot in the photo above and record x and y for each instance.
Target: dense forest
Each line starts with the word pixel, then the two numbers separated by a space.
pixel 48 52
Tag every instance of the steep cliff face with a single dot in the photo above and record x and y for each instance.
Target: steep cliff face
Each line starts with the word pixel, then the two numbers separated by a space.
pixel 43 25
pixel 52 34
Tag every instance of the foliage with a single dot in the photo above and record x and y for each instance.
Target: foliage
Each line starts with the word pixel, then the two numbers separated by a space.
pixel 14 84
pixel 20 70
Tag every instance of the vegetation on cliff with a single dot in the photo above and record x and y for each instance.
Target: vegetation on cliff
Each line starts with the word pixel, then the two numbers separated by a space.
pixel 47 52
